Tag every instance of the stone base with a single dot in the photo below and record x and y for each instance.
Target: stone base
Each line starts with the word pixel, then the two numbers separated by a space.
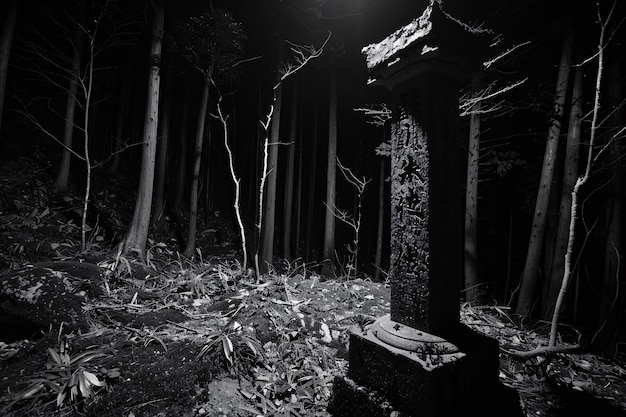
pixel 385 381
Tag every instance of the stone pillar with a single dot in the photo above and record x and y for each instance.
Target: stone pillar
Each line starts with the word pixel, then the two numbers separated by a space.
pixel 419 360
pixel 426 204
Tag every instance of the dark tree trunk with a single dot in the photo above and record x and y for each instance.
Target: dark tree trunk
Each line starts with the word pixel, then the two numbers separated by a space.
pixel 381 222
pixel 472 281
pixel 298 222
pixel 310 222
pixel 195 176
pixel 570 174
pixel 163 142
pixel 6 40
pixel 613 293
pixel 124 97
pixel 62 179
pixel 331 173
pixel 528 286
pixel 182 169
pixel 291 156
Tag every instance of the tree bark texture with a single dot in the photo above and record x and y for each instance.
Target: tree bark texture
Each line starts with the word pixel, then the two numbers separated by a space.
pixel 309 245
pixel 195 175
pixel 331 173
pixel 580 182
pixel 570 173
pixel 298 210
pixel 269 204
pixel 62 178
pixel 8 27
pixel 612 289
pixel 472 281
pixel 181 175
pixel 124 97
pixel 162 149
pixel 138 232
pixel 381 222
pixel 291 156
pixel 528 285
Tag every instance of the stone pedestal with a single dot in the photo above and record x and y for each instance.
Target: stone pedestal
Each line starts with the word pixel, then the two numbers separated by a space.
pixel 384 381
pixel 419 360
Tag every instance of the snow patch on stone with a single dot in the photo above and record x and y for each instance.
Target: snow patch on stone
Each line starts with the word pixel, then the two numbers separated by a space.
pixel 426 49
pixel 377 53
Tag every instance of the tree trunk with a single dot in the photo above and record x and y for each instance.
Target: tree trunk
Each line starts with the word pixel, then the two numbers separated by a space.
pixel 310 222
pixel 195 176
pixel 8 27
pixel 270 193
pixel 298 222
pixel 60 184
pixel 138 232
pixel 570 174
pixel 528 285
pixel 236 182
pixel 381 221
pixel 119 131
pixel 291 156
pixel 472 281
pixel 331 177
pixel 182 169
pixel 208 187
pixel 613 291
pixel 256 156
pixel 163 141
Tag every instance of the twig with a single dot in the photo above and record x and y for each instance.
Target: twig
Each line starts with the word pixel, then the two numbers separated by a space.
pixel 521 355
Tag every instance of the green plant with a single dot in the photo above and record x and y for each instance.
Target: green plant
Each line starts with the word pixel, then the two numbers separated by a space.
pixel 68 378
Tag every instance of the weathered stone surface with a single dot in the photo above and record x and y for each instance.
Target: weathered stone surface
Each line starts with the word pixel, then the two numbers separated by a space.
pixel 413 382
pixel 426 205
pixel 351 399
pixel 396 365
pixel 384 381
pixel 37 299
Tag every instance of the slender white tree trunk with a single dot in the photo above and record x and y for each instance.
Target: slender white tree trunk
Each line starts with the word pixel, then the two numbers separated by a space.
pixel 581 181
pixel 236 182
pixel 269 209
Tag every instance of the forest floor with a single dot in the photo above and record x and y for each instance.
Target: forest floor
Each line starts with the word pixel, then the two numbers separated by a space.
pixel 175 337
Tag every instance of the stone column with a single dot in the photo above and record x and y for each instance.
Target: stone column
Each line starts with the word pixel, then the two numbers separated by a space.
pixel 419 360
pixel 426 203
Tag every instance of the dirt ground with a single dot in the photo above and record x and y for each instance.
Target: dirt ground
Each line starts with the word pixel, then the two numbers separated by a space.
pixel 169 336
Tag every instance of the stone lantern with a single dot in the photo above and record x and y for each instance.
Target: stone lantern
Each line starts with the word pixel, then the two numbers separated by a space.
pixel 420 360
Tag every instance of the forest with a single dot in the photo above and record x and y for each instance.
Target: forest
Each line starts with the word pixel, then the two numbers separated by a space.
pixel 139 134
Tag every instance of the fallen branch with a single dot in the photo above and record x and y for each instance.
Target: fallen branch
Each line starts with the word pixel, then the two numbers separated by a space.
pixel 522 355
